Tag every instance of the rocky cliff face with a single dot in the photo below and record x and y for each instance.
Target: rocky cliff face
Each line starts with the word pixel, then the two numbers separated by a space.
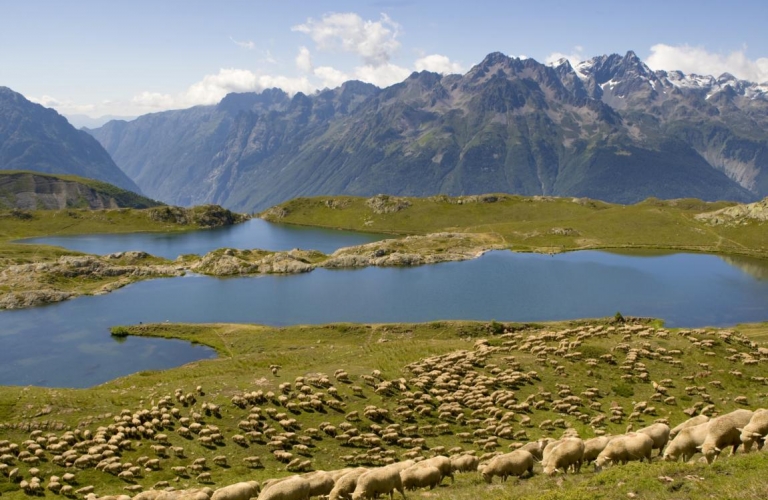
pixel 36 138
pixel 610 128
pixel 33 191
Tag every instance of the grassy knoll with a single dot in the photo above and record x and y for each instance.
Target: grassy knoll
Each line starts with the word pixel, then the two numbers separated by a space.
pixel 541 224
pixel 439 385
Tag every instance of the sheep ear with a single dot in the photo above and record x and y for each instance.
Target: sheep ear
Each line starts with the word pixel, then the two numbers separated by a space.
pixel 740 429
pixel 717 450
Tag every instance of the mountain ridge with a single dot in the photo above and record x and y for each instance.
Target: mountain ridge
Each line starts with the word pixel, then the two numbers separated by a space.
pixel 608 128
pixel 33 137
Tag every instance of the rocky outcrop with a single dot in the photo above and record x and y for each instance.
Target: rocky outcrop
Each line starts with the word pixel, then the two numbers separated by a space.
pixel 202 216
pixel 738 214
pixel 33 284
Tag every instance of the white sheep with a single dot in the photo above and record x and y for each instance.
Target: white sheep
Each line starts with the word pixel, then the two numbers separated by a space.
pixel 659 432
pixel 346 484
pixel 238 491
pixel 755 430
pixel 566 453
pixel 290 488
pixel 383 480
pixel 626 448
pixel 687 442
pixel 691 422
pixel 724 431
pixel 515 463
pixel 419 476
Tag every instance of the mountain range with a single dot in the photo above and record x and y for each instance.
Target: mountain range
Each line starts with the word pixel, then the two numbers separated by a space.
pixel 33 137
pixel 609 128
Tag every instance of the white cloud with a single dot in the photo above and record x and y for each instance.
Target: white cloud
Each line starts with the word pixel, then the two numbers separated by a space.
pixel 304 60
pixel 374 41
pixel 63 107
pixel 438 64
pixel 331 77
pixel 246 45
pixel 575 57
pixel 698 60
pixel 212 88
pixel 382 75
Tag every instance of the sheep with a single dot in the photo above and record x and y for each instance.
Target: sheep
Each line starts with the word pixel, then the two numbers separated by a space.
pixel 420 476
pixel 593 447
pixel 724 431
pixel 687 442
pixel 346 484
pixel 659 432
pixel 320 483
pixel 691 422
pixel 567 452
pixel 536 448
pixel 290 488
pixel 464 463
pixel 625 448
pixel 515 463
pixel 379 481
pixel 238 491
pixel 442 463
pixel 755 430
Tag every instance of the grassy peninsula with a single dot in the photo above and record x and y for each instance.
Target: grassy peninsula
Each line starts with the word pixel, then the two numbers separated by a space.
pixel 328 396
pixel 35 274
pixel 546 224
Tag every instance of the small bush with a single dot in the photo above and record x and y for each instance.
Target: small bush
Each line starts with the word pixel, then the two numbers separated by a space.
pixel 623 390
pixel 119 331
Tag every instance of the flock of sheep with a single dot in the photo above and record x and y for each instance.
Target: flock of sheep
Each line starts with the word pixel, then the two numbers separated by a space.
pixel 473 397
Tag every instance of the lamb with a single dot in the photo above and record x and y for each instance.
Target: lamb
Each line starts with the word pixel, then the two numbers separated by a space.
pixel 290 488
pixel 755 430
pixel 346 484
pixel 420 476
pixel 515 463
pixel 379 481
pixel 724 431
pixel 659 433
pixel 691 422
pixel 687 442
pixel 566 453
pixel 625 448
pixel 238 491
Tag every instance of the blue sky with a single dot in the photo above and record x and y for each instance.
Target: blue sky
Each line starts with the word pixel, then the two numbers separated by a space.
pixel 129 58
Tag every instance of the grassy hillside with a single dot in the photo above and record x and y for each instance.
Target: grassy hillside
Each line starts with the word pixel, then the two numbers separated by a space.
pixel 440 386
pixel 542 224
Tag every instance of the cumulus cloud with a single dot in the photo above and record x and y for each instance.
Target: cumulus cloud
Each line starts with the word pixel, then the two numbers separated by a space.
pixel 698 60
pixel 382 75
pixel 330 77
pixel 304 60
pixel 246 44
pixel 374 41
pixel 575 57
pixel 438 64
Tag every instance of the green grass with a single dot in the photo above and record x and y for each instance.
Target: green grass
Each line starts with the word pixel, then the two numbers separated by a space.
pixel 248 351
pixel 540 224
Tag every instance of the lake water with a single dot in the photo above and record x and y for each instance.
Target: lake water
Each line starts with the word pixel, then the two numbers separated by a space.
pixel 68 344
pixel 255 233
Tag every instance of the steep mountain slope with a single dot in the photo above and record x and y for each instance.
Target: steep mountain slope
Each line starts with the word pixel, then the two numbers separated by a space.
pixel 611 129
pixel 32 190
pixel 33 137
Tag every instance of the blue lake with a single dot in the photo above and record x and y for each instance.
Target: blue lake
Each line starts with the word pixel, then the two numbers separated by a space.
pixel 68 344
